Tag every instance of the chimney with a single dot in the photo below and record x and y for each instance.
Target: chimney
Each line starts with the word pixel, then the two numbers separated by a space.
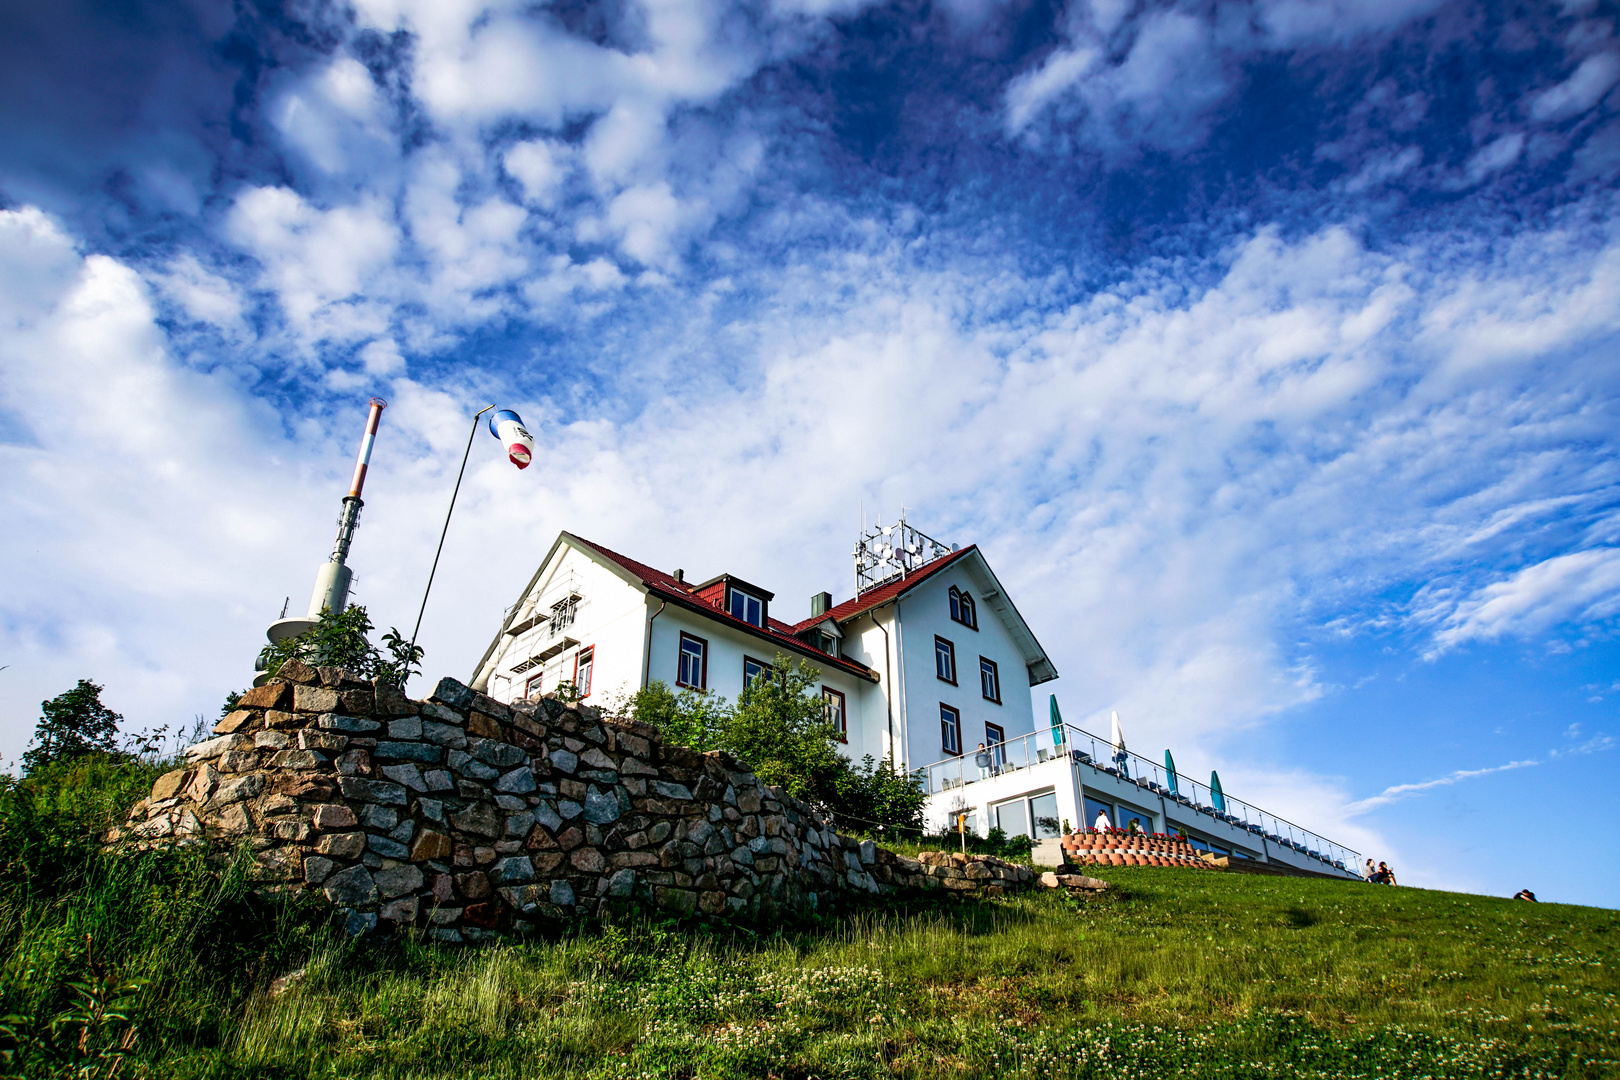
pixel 680 576
pixel 820 604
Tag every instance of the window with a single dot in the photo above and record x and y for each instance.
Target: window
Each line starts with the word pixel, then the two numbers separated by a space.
pixel 747 607
pixel 1043 814
pixel 834 700
pixel 989 680
pixel 694 663
pixel 1096 809
pixel 995 741
pixel 962 609
pixel 1011 818
pixel 532 687
pixel 752 670
pixel 584 662
pixel 950 729
pixel 562 613
pixel 945 660
pixel 1128 814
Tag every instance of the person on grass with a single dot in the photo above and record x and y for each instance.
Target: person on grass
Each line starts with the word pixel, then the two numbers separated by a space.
pixel 1526 894
pixel 1368 872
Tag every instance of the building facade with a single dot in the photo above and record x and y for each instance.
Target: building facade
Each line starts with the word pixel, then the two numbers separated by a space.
pixel 929 666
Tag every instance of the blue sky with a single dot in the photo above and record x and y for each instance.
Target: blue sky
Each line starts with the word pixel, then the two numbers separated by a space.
pixel 1268 350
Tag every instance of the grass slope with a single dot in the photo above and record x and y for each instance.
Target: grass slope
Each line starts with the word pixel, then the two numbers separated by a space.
pixel 1174 973
pixel 1180 973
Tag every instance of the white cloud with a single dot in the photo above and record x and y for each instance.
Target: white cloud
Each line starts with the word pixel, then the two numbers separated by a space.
pixel 1488 160
pixel 1179 66
pixel 542 167
pixel 1404 791
pixel 203 295
pixel 1580 91
pixel 335 118
pixel 322 264
pixel 1582 586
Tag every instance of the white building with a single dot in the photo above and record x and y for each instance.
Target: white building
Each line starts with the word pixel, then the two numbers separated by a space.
pixel 926 664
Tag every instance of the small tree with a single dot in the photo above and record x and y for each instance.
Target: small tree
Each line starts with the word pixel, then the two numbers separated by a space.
pixel 71 725
pixel 688 717
pixel 339 640
pixel 780 728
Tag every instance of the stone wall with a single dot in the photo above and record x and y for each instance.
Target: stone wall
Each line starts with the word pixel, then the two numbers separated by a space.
pixel 464 816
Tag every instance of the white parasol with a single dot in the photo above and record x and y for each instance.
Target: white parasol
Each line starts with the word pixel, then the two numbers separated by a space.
pixel 1121 759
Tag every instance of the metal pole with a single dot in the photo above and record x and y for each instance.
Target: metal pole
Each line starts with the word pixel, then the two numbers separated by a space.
pixel 411 651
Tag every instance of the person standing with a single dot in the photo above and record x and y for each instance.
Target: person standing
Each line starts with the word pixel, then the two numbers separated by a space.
pixel 982 760
pixel 1102 824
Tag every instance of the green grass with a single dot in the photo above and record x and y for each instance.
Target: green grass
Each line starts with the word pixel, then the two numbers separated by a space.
pixel 1174 973
pixel 1182 973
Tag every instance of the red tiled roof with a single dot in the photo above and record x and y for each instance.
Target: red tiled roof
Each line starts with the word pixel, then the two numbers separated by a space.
pixel 778 632
pixel 884 593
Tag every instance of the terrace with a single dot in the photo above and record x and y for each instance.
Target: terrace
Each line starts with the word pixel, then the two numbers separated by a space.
pixel 1043 750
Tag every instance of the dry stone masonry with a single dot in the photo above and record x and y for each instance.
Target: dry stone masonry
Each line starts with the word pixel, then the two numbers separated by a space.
pixel 464 816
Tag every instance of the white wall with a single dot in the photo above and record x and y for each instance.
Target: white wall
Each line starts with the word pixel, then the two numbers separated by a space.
pixel 869 724
pixel 610 619
pixel 727 647
pixel 926 613
pixel 977 796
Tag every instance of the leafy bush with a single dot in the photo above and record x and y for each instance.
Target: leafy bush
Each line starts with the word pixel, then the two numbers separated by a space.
pixel 339 640
pixel 779 727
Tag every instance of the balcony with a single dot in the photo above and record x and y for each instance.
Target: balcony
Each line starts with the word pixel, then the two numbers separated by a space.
pixel 1083 748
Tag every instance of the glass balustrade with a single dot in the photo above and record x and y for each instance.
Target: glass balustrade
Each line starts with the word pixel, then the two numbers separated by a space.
pixel 1082 747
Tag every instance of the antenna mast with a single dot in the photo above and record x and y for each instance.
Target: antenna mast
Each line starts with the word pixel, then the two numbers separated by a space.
pixel 332 579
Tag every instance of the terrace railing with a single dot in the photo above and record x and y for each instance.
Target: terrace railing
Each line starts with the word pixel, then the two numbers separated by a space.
pixel 1084 748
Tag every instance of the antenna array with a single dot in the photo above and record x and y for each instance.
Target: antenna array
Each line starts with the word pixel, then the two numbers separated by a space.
pixel 886 552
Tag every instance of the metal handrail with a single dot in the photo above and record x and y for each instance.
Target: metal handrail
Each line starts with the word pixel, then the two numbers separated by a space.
pixel 1085 748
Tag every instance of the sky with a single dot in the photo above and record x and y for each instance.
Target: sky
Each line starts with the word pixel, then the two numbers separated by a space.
pixel 1267 349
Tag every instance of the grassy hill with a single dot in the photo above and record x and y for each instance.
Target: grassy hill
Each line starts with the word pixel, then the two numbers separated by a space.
pixel 1173 973
pixel 1178 973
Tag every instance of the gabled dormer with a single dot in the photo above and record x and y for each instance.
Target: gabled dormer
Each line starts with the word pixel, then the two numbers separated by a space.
pixel 821 631
pixel 738 598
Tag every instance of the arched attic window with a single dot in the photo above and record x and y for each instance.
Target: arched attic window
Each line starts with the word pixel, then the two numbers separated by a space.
pixel 962 608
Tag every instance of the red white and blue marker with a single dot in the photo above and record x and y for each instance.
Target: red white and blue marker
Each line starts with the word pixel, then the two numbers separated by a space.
pixel 507 426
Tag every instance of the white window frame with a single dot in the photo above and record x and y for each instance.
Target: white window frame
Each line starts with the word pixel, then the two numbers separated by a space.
pixel 950 723
pixel 699 659
pixel 990 679
pixel 837 710
pixel 748 602
pixel 945 659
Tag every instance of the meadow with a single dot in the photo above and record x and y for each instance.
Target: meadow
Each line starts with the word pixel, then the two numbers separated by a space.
pixel 163 964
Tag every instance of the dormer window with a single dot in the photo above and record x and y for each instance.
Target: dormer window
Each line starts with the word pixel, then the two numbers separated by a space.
pixel 962 609
pixel 747 607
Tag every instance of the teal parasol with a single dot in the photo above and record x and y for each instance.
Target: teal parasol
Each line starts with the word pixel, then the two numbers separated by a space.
pixel 1216 796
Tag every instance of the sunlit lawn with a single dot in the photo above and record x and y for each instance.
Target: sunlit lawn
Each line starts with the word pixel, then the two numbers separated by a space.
pixel 1177 973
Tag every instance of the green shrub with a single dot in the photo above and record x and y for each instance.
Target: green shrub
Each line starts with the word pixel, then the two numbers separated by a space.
pixel 339 640
pixel 779 728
